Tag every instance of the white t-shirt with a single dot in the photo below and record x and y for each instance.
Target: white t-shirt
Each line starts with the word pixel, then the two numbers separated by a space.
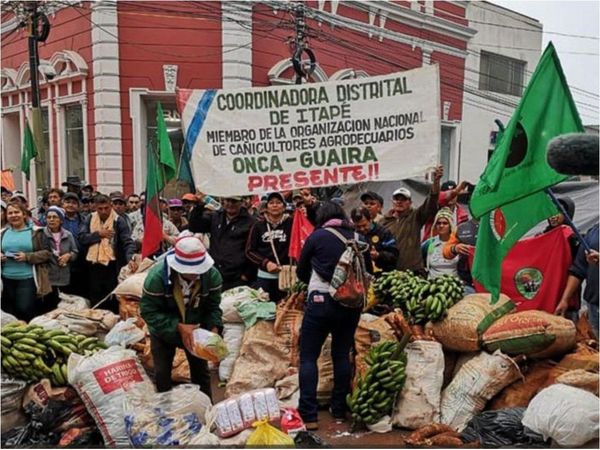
pixel 436 263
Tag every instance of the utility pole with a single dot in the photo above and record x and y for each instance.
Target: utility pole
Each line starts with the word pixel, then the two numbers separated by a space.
pixel 37 18
pixel 300 44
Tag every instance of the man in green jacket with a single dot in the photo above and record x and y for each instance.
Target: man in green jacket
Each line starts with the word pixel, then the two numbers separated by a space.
pixel 405 223
pixel 181 293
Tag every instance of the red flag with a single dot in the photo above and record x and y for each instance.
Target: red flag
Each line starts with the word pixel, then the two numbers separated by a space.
pixel 535 271
pixel 301 229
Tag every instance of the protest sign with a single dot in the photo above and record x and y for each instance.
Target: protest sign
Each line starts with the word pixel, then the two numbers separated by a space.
pixel 256 140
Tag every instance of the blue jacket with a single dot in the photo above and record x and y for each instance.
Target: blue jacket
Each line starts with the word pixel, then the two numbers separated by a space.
pixel 584 271
pixel 321 253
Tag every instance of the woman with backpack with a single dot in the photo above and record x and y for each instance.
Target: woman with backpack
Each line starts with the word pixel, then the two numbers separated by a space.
pixel 323 314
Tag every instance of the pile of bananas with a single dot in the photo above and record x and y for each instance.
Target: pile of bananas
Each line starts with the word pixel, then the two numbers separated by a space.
pixel 431 299
pixel 375 394
pixel 31 352
pixel 420 299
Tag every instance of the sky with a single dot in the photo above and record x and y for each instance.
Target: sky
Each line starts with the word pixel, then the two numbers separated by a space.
pixel 573 18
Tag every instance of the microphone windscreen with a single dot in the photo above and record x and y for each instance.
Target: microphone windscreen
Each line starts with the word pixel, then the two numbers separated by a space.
pixel 574 154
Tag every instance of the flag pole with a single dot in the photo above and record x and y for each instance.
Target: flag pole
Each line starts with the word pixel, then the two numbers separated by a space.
pixel 568 219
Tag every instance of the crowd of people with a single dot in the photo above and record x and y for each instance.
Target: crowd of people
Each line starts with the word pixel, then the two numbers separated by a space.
pixel 77 241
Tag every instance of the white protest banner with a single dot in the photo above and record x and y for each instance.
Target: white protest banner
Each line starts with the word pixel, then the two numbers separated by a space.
pixel 256 140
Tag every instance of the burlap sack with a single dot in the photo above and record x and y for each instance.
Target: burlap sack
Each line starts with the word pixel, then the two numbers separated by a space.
pixel 584 358
pixel 130 307
pixel 180 373
pixel 132 286
pixel 520 393
pixel 480 379
pixel 537 334
pixel 325 366
pixel 264 359
pixel 467 320
pixel 580 379
pixel 368 334
pixel 90 322
pixel 288 320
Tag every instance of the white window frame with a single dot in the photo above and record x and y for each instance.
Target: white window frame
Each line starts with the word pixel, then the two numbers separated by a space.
pixel 60 104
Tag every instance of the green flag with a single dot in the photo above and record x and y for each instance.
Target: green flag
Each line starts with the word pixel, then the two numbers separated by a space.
pixel 518 166
pixel 185 169
pixel 165 152
pixel 500 229
pixel 29 151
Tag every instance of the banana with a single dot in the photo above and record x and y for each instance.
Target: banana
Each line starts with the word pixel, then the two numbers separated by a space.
pixel 64 371
pixel 20 355
pixel 58 374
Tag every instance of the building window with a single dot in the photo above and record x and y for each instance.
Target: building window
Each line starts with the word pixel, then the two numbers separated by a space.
pixel 74 139
pixel 43 174
pixel 501 74
pixel 173 188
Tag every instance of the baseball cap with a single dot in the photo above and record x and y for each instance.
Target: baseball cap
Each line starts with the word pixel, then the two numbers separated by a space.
pixel 117 196
pixel 403 192
pixel 71 196
pixel 278 195
pixel 189 197
pixel 370 195
pixel 175 203
pixel 448 185
pixel 19 195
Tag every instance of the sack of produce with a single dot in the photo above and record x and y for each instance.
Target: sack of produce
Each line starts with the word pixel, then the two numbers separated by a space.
pixel 480 379
pixel 419 401
pixel 132 286
pixel 124 333
pixel 467 320
pixel 537 334
pixel 520 393
pixel 100 380
pixel 169 418
pixel 325 367
pixel 581 379
pixel 12 397
pixel 261 362
pixel 564 413
pixel 233 334
pixel 233 297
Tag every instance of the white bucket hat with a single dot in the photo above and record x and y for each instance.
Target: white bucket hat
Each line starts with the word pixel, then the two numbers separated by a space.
pixel 189 256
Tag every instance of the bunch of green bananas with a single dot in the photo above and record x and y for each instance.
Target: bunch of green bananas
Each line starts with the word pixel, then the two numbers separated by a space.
pixel 299 286
pixel 420 299
pixel 31 352
pixel 390 287
pixel 431 299
pixel 375 393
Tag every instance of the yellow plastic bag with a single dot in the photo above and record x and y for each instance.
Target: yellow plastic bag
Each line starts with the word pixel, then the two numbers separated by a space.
pixel 372 299
pixel 267 435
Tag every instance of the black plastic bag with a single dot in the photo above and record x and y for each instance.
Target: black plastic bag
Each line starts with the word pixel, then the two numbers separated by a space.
pixel 40 431
pixel 502 428
pixel 306 439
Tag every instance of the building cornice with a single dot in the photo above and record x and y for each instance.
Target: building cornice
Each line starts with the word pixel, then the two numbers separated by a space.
pixel 418 19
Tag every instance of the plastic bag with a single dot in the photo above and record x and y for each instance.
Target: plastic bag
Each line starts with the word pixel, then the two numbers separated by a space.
pixel 307 439
pixel 6 318
pixel 124 333
pixel 384 425
pixel 233 334
pixel 72 302
pixel 564 413
pixel 501 428
pixel 267 435
pixel 209 346
pixel 164 419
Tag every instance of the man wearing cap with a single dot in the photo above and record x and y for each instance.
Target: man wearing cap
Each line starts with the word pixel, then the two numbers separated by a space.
pixel 405 222
pixel 176 214
pixel 374 204
pixel 73 184
pixel 229 229
pixel 182 292
pixel 189 200
pixel 107 244
pixel 73 223
pixel 119 204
